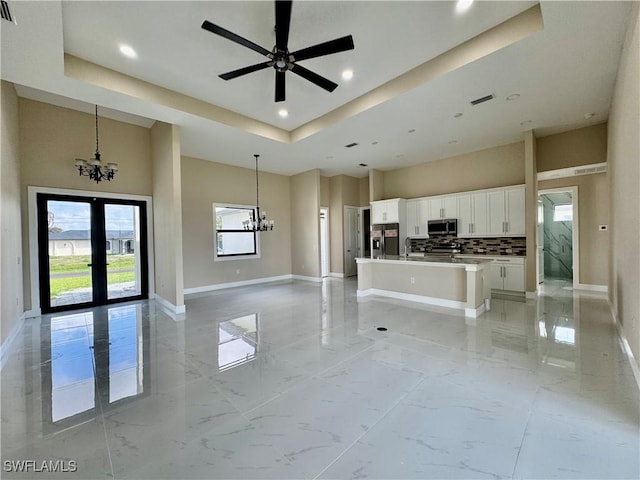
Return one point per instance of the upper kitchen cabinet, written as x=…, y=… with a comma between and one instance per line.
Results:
x=472, y=214
x=506, y=212
x=388, y=211
x=443, y=207
x=417, y=213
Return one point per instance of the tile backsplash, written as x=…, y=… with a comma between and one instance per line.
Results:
x=477, y=246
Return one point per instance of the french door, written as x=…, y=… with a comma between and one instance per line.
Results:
x=92, y=251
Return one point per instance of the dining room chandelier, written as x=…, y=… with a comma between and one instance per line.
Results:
x=94, y=168
x=258, y=221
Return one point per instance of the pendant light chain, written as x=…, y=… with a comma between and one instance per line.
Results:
x=97, y=149
x=258, y=221
x=257, y=189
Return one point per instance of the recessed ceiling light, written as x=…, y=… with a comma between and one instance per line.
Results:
x=374, y=143
x=513, y=96
x=463, y=5
x=284, y=113
x=457, y=115
x=128, y=52
x=589, y=115
x=451, y=142
x=412, y=130
x=526, y=122
x=347, y=74
x=400, y=155
x=329, y=157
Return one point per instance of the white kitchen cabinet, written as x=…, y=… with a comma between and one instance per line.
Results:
x=507, y=274
x=443, y=207
x=388, y=211
x=506, y=212
x=417, y=213
x=472, y=214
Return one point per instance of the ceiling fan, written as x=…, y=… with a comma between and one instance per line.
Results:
x=279, y=57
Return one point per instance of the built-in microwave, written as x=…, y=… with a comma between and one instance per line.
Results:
x=446, y=226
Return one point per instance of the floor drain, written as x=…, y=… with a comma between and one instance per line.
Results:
x=382, y=329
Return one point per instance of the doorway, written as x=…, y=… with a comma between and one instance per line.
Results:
x=558, y=235
x=324, y=242
x=92, y=251
x=365, y=232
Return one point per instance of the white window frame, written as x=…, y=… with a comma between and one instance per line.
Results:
x=217, y=258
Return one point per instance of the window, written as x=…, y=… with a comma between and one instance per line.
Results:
x=231, y=239
x=563, y=213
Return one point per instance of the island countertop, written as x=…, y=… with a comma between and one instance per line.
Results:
x=473, y=263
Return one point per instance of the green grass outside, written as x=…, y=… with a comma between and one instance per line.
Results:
x=60, y=285
x=78, y=263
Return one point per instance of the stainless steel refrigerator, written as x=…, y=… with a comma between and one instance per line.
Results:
x=384, y=239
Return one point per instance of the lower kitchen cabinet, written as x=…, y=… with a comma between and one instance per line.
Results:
x=507, y=274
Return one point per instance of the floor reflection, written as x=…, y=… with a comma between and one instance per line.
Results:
x=237, y=341
x=90, y=361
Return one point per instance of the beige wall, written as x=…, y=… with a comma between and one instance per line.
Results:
x=583, y=146
x=167, y=212
x=344, y=191
x=11, y=297
x=494, y=167
x=325, y=192
x=364, y=192
x=376, y=185
x=305, y=218
x=205, y=183
x=593, y=210
x=531, y=206
x=51, y=138
x=624, y=174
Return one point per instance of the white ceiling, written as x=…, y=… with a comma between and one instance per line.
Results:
x=561, y=73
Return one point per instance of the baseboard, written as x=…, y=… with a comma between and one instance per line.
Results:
x=242, y=283
x=5, y=348
x=635, y=368
x=475, y=312
x=438, y=302
x=168, y=306
x=307, y=279
x=33, y=313
x=531, y=295
x=592, y=288
x=336, y=274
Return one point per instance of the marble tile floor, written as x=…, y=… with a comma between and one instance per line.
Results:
x=294, y=381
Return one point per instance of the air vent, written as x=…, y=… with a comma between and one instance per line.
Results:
x=4, y=10
x=587, y=171
x=573, y=171
x=478, y=101
x=363, y=165
x=351, y=145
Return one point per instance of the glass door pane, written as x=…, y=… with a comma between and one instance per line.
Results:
x=123, y=252
x=70, y=254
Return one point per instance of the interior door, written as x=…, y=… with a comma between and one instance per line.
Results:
x=540, y=242
x=350, y=241
x=92, y=251
x=324, y=243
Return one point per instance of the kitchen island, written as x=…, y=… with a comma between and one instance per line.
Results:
x=445, y=282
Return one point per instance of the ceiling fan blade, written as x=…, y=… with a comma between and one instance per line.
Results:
x=213, y=28
x=325, y=48
x=244, y=71
x=314, y=78
x=280, y=95
x=283, y=21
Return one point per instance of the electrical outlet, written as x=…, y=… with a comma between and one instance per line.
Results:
x=602, y=228
x=480, y=250
x=413, y=280
x=508, y=250
x=237, y=271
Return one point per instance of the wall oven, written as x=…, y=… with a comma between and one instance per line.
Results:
x=446, y=226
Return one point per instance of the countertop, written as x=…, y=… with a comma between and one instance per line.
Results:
x=439, y=261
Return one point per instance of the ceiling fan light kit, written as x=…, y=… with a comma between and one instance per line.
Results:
x=280, y=59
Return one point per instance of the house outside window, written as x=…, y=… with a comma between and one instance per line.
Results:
x=232, y=241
